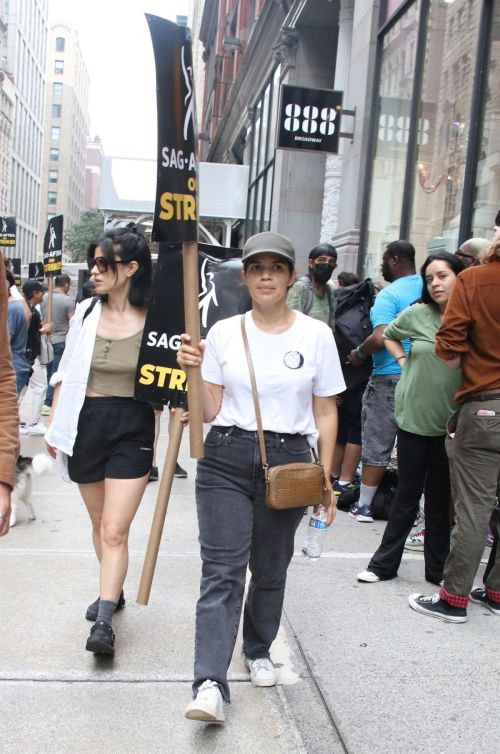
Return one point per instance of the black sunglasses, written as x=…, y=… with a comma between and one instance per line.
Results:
x=101, y=263
x=464, y=255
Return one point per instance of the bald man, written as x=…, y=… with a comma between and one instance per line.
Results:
x=470, y=250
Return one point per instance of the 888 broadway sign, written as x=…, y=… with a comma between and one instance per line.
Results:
x=176, y=188
x=309, y=119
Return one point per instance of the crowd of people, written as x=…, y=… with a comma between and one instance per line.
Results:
x=419, y=371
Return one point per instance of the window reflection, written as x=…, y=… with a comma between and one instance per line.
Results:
x=395, y=93
x=487, y=201
x=448, y=80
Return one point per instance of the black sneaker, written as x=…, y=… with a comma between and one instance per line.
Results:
x=153, y=474
x=479, y=595
x=101, y=640
x=436, y=607
x=348, y=498
x=179, y=472
x=93, y=609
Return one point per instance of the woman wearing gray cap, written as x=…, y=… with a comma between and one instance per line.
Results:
x=298, y=374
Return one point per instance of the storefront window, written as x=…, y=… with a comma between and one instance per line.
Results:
x=394, y=106
x=487, y=201
x=262, y=161
x=445, y=105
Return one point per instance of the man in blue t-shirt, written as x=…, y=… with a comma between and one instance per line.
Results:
x=378, y=432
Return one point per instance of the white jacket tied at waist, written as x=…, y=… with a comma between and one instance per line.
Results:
x=73, y=374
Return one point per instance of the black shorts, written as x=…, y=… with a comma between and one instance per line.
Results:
x=350, y=416
x=114, y=440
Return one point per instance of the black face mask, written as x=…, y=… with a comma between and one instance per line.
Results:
x=322, y=273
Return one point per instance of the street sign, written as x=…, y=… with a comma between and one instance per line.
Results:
x=309, y=119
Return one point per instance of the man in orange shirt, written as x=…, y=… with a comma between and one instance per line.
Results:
x=469, y=338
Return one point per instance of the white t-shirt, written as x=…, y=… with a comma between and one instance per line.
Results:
x=289, y=369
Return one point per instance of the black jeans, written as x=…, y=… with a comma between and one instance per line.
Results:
x=236, y=530
x=422, y=466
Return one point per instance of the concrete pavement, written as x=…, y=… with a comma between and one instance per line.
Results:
x=360, y=671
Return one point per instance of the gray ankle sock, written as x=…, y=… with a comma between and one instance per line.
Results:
x=106, y=610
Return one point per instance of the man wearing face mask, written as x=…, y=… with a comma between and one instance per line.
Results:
x=310, y=294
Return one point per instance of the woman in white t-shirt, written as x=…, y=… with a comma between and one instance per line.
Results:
x=298, y=375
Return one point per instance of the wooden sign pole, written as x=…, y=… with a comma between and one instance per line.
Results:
x=50, y=295
x=148, y=569
x=192, y=325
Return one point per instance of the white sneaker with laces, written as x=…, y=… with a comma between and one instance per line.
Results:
x=368, y=577
x=208, y=707
x=37, y=429
x=262, y=671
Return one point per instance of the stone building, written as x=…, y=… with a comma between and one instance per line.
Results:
x=422, y=160
x=25, y=23
x=66, y=126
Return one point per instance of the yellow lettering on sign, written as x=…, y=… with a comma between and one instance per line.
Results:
x=152, y=374
x=180, y=206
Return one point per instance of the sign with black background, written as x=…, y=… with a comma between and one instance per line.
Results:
x=35, y=271
x=7, y=231
x=16, y=270
x=52, y=247
x=309, y=119
x=176, y=212
x=159, y=379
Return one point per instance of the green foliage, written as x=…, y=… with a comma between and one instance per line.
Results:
x=78, y=238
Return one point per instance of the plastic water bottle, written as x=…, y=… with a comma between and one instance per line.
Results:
x=315, y=536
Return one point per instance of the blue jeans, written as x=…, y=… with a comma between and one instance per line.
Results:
x=52, y=369
x=237, y=529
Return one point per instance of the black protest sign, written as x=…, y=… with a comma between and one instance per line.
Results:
x=309, y=119
x=35, y=270
x=7, y=231
x=222, y=294
x=52, y=247
x=175, y=217
x=16, y=270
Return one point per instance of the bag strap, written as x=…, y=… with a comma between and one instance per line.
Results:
x=258, y=416
x=255, y=394
x=88, y=310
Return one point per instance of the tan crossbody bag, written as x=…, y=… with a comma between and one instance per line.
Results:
x=290, y=485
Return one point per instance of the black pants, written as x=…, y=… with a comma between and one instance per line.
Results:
x=422, y=466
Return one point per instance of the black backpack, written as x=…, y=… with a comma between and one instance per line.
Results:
x=34, y=339
x=352, y=326
x=385, y=495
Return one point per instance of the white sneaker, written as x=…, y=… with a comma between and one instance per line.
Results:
x=46, y=410
x=262, y=671
x=37, y=429
x=23, y=430
x=368, y=577
x=208, y=707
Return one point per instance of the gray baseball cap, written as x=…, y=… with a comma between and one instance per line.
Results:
x=270, y=243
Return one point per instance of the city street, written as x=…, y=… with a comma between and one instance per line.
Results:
x=360, y=671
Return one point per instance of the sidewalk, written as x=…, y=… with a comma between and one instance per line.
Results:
x=360, y=671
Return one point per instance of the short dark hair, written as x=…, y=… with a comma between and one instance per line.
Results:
x=131, y=245
x=454, y=263
x=347, y=278
x=61, y=280
x=404, y=250
x=30, y=287
x=323, y=250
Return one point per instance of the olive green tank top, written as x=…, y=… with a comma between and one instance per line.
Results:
x=113, y=366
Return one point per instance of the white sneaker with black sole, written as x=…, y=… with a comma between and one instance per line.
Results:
x=208, y=707
x=262, y=671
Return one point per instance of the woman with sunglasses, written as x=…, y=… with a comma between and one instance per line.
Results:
x=103, y=436
x=424, y=401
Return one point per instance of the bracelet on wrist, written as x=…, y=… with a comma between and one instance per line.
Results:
x=359, y=353
x=401, y=357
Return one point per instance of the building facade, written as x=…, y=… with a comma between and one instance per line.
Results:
x=7, y=108
x=24, y=52
x=66, y=124
x=93, y=167
x=420, y=157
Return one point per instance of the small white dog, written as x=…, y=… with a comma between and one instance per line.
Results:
x=25, y=468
